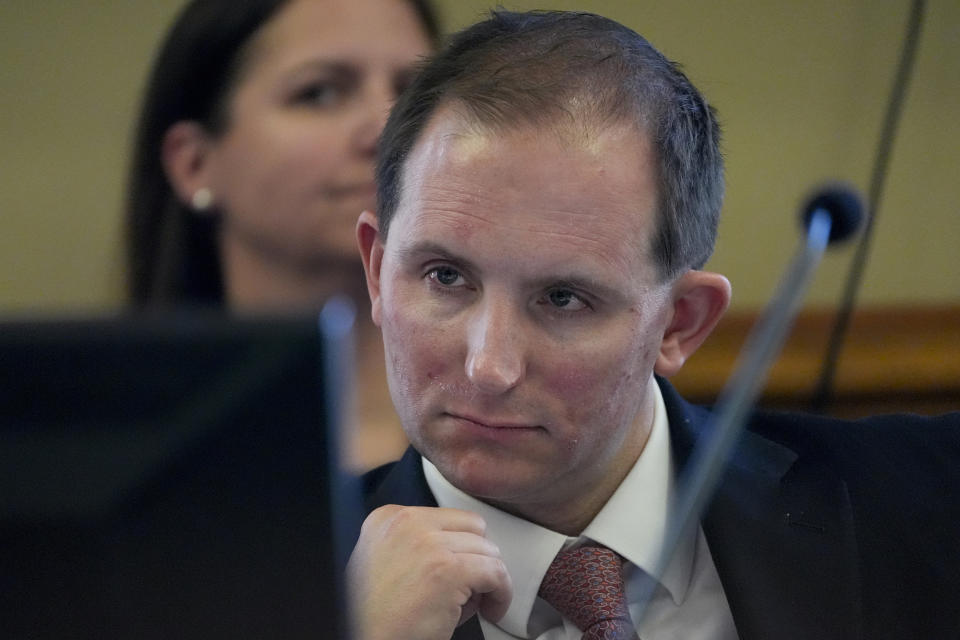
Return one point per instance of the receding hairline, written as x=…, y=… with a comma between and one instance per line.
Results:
x=462, y=123
x=573, y=120
x=576, y=73
x=450, y=123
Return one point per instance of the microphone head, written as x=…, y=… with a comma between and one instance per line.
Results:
x=842, y=204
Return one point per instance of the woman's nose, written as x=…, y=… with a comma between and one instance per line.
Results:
x=372, y=116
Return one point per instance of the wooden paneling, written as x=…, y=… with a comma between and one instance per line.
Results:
x=894, y=359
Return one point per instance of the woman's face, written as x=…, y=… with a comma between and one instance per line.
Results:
x=294, y=167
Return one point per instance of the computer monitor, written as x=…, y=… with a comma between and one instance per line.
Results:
x=174, y=476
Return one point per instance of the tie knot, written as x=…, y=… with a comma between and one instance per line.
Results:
x=585, y=585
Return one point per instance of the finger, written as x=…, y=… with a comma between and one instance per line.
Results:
x=496, y=599
x=458, y=520
x=462, y=542
x=400, y=517
x=470, y=608
x=494, y=604
x=487, y=576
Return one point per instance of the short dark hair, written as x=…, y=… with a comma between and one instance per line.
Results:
x=544, y=68
x=172, y=255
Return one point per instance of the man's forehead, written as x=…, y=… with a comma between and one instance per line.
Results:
x=448, y=138
x=570, y=190
x=452, y=140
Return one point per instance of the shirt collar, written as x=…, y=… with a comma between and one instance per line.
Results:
x=632, y=523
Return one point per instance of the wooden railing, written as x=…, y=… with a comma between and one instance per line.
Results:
x=894, y=359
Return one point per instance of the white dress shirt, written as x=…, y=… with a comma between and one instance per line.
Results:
x=689, y=602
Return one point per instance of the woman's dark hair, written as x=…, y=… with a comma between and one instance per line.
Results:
x=172, y=255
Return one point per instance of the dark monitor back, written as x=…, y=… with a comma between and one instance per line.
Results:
x=171, y=476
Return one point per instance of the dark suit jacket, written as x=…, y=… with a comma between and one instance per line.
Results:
x=820, y=528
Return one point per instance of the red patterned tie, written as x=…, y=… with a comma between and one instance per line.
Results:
x=585, y=585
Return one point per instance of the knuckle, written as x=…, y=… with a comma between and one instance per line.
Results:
x=401, y=518
x=380, y=514
x=439, y=563
x=376, y=518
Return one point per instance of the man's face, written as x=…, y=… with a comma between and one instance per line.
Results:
x=521, y=312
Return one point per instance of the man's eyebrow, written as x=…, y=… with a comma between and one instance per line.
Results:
x=420, y=250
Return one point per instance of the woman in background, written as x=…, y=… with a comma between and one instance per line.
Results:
x=254, y=156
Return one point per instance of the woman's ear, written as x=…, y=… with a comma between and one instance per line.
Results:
x=371, y=253
x=185, y=153
x=699, y=299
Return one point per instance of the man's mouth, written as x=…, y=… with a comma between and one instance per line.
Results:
x=491, y=422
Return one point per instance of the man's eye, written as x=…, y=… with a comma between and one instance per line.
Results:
x=446, y=276
x=566, y=300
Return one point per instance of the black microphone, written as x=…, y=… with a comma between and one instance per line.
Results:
x=832, y=214
x=843, y=206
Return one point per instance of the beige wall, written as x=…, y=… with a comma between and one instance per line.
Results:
x=801, y=89
x=70, y=78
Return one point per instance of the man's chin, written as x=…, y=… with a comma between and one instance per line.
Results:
x=495, y=481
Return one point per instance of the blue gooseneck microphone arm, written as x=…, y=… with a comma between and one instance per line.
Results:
x=831, y=215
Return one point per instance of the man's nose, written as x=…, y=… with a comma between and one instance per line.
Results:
x=496, y=359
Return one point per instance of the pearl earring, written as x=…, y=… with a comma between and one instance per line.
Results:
x=202, y=199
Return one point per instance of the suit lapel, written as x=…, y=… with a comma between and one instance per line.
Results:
x=780, y=532
x=404, y=483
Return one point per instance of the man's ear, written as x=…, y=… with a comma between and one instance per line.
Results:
x=185, y=153
x=699, y=299
x=371, y=253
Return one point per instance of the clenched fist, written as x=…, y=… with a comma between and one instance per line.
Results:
x=419, y=572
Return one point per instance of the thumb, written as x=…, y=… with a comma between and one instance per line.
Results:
x=470, y=608
x=494, y=604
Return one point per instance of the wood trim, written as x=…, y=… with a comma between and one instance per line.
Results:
x=894, y=358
